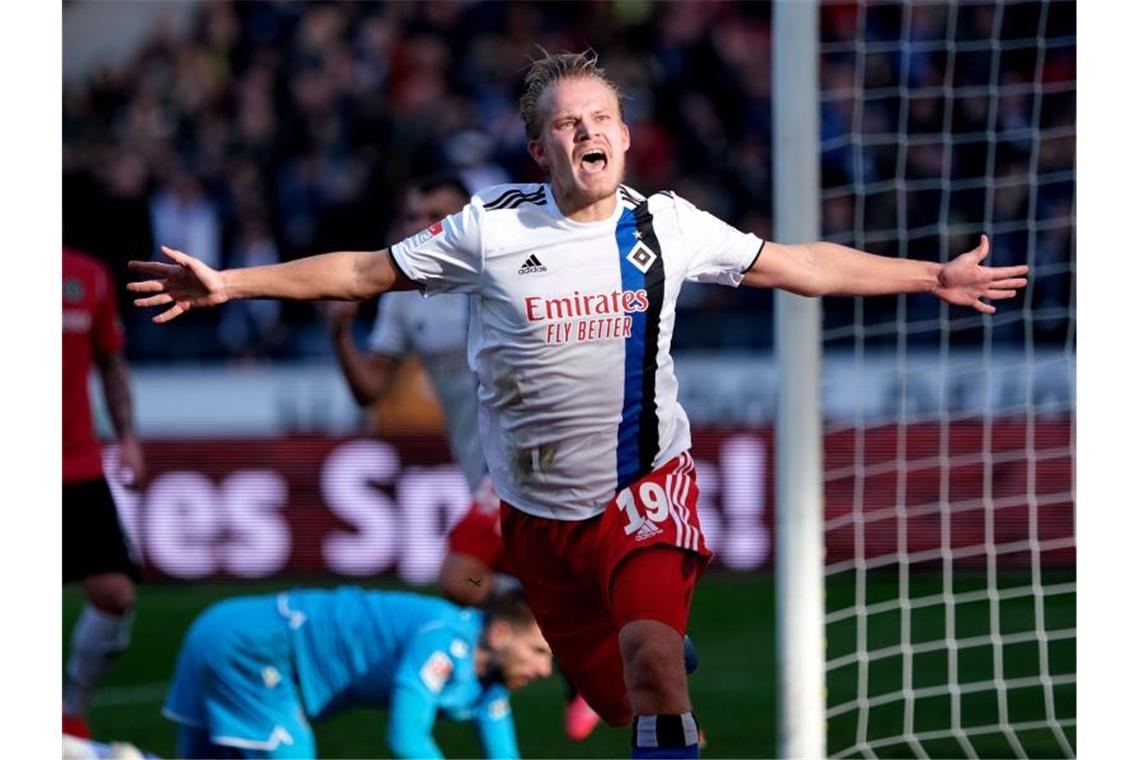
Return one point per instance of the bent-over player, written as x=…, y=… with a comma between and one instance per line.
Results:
x=253, y=672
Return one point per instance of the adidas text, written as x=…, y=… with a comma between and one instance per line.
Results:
x=648, y=530
x=532, y=266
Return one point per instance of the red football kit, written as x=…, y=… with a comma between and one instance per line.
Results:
x=91, y=326
x=651, y=531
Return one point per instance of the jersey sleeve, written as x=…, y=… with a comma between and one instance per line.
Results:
x=447, y=257
x=423, y=671
x=410, y=719
x=389, y=331
x=719, y=253
x=496, y=725
x=107, y=329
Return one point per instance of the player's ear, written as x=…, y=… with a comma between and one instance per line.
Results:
x=625, y=142
x=537, y=151
x=499, y=633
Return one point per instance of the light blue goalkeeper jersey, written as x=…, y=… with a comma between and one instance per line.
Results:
x=247, y=662
x=414, y=653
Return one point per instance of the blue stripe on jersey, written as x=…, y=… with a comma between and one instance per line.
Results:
x=629, y=431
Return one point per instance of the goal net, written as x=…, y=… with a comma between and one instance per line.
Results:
x=948, y=469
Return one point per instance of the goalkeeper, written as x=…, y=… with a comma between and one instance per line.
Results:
x=253, y=671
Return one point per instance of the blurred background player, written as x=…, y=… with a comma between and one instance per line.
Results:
x=253, y=671
x=436, y=331
x=96, y=551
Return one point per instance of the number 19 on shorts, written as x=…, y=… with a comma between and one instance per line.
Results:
x=665, y=497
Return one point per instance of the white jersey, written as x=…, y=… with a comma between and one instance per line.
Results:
x=571, y=333
x=436, y=330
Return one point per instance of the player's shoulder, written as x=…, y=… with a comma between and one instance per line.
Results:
x=82, y=264
x=84, y=276
x=631, y=198
x=510, y=196
x=451, y=634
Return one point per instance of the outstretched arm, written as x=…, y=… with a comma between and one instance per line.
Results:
x=187, y=283
x=819, y=269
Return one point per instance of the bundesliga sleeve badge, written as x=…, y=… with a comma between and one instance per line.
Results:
x=421, y=237
x=436, y=671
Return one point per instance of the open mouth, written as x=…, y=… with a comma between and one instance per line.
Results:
x=594, y=161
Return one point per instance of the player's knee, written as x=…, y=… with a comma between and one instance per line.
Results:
x=113, y=593
x=652, y=655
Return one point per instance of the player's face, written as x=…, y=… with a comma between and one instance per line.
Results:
x=421, y=210
x=523, y=656
x=583, y=140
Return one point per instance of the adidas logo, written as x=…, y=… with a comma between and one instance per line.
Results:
x=648, y=530
x=532, y=265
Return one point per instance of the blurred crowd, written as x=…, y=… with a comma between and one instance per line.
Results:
x=280, y=129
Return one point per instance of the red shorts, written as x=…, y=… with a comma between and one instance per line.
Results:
x=477, y=534
x=585, y=580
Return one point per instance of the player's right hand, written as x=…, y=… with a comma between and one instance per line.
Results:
x=187, y=284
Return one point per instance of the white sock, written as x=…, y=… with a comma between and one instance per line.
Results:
x=97, y=639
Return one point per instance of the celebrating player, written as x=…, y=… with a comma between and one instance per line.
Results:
x=576, y=283
x=96, y=551
x=436, y=330
x=253, y=671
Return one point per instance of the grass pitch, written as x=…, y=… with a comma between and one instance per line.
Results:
x=734, y=690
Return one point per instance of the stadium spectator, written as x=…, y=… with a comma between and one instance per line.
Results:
x=96, y=551
x=252, y=328
x=576, y=283
x=254, y=671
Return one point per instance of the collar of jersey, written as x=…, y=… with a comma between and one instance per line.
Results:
x=559, y=216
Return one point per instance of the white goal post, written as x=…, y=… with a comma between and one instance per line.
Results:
x=799, y=485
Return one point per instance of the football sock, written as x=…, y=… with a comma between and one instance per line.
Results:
x=666, y=736
x=97, y=639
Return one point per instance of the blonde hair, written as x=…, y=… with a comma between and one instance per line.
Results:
x=552, y=68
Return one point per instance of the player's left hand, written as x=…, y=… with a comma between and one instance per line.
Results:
x=964, y=281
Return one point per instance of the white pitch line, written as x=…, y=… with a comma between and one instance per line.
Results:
x=137, y=694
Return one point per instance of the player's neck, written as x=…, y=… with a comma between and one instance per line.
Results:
x=579, y=209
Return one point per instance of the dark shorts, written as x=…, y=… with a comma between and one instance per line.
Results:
x=93, y=538
x=638, y=560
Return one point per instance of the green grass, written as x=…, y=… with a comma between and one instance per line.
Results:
x=734, y=691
